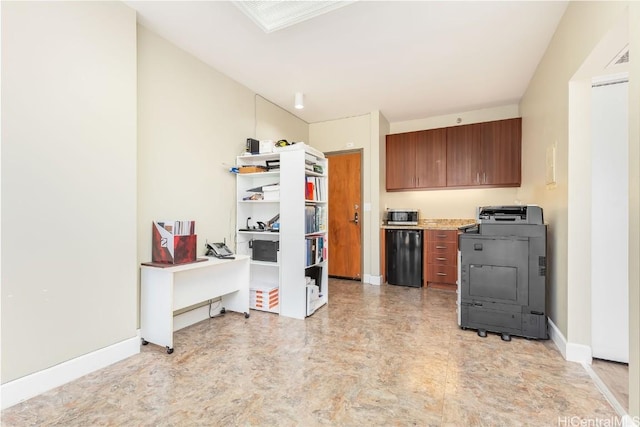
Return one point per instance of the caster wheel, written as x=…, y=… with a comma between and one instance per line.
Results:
x=246, y=315
x=143, y=341
x=223, y=311
x=505, y=337
x=482, y=333
x=169, y=350
x=464, y=328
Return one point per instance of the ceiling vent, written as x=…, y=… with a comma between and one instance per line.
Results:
x=275, y=15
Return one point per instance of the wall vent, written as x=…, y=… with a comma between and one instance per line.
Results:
x=621, y=58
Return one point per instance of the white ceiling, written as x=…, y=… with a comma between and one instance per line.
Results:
x=409, y=60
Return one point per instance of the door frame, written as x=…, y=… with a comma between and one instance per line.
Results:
x=360, y=151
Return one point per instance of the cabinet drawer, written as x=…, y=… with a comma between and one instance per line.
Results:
x=442, y=235
x=449, y=257
x=442, y=247
x=442, y=273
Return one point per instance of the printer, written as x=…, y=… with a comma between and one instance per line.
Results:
x=530, y=214
x=502, y=273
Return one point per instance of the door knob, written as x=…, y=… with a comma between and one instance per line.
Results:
x=355, y=218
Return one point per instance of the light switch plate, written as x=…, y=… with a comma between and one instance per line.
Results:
x=550, y=175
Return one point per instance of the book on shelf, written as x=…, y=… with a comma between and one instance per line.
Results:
x=315, y=219
x=314, y=188
x=316, y=250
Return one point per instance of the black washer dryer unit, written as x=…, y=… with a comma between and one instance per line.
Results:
x=503, y=271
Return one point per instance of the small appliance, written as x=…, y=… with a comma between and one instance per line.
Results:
x=402, y=216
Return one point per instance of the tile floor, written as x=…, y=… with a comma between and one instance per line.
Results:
x=375, y=356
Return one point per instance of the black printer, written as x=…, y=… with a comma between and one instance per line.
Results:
x=503, y=273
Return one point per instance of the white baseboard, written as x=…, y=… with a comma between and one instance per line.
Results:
x=579, y=353
x=372, y=280
x=24, y=388
x=572, y=352
x=626, y=419
x=558, y=339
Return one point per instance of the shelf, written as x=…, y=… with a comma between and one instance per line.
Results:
x=259, y=174
x=265, y=263
x=318, y=264
x=316, y=234
x=268, y=233
x=296, y=247
x=265, y=156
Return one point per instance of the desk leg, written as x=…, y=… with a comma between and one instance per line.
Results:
x=156, y=307
x=239, y=301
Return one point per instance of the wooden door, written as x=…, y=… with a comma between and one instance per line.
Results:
x=401, y=154
x=345, y=215
x=464, y=163
x=431, y=158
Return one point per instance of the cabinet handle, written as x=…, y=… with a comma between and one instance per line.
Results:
x=484, y=177
x=441, y=247
x=441, y=259
x=441, y=274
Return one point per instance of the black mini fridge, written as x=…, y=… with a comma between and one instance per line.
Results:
x=404, y=257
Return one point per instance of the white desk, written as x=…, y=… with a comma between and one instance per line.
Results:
x=165, y=290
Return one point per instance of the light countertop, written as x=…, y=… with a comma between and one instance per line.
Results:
x=434, y=224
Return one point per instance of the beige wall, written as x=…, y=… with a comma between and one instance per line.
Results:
x=547, y=122
x=69, y=270
x=275, y=123
x=544, y=110
x=193, y=121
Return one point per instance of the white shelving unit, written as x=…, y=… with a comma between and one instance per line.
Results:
x=289, y=273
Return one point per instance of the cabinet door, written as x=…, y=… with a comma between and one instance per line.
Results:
x=431, y=158
x=501, y=145
x=463, y=155
x=401, y=152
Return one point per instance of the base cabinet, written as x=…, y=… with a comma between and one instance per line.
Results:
x=441, y=258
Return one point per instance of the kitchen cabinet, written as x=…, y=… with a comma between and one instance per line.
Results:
x=475, y=155
x=484, y=154
x=416, y=160
x=441, y=258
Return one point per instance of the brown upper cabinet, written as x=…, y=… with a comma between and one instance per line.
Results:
x=417, y=160
x=484, y=154
x=476, y=155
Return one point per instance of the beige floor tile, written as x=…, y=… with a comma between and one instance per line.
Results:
x=376, y=355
